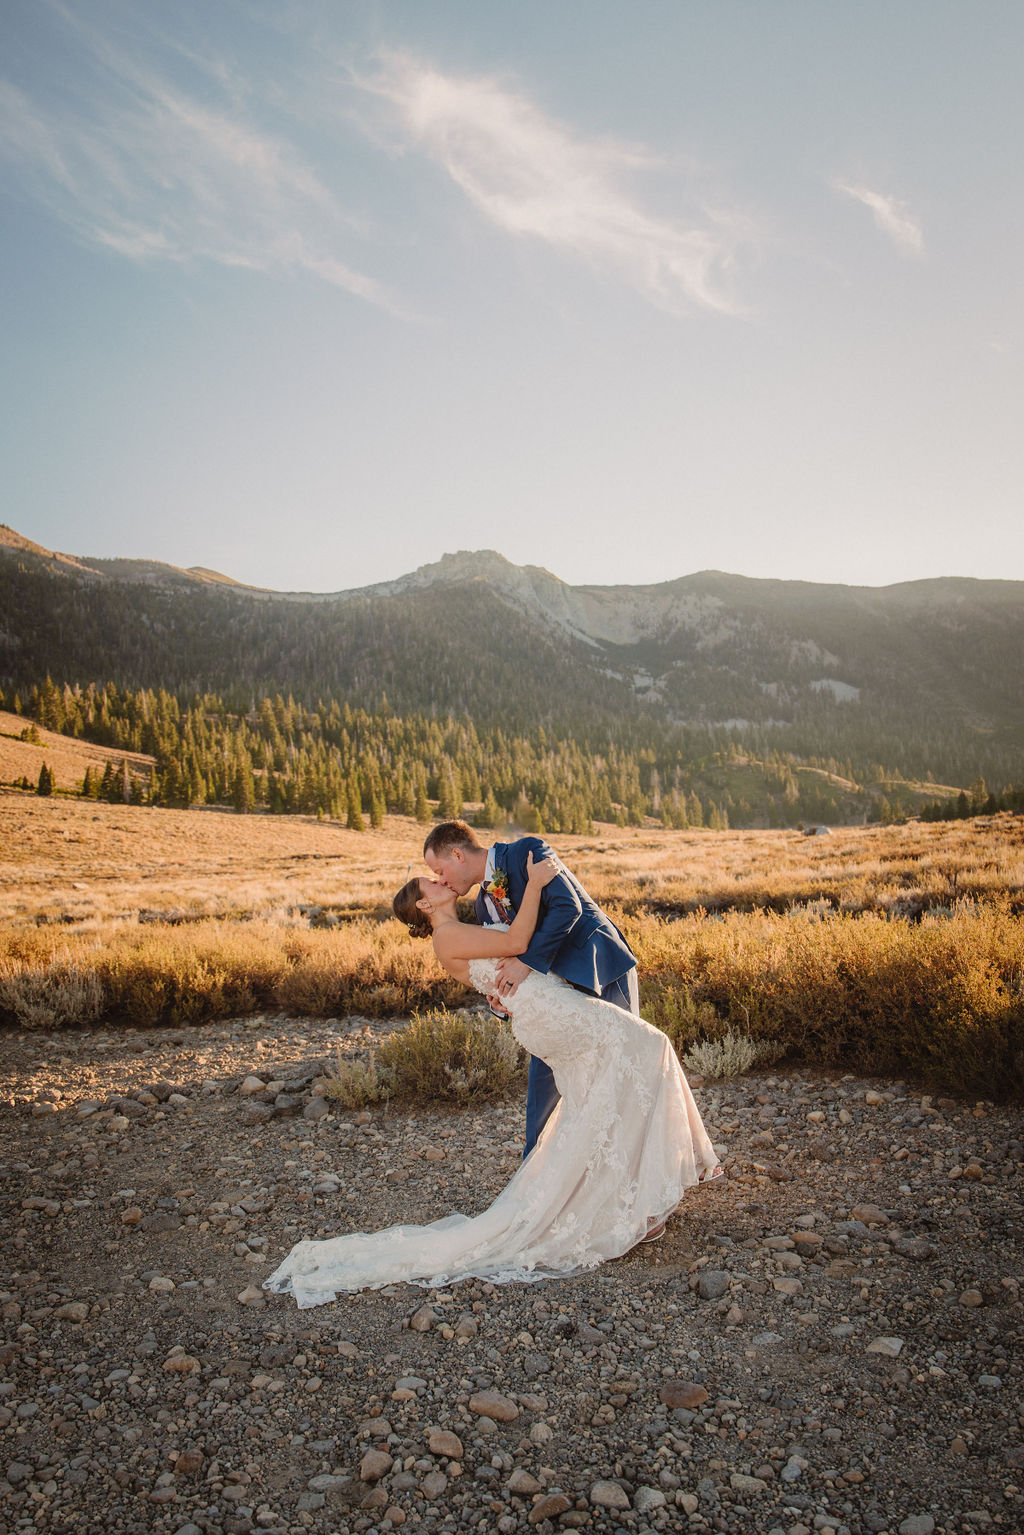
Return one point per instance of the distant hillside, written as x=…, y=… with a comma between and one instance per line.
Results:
x=922, y=677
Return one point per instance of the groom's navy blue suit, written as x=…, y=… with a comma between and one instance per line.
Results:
x=573, y=938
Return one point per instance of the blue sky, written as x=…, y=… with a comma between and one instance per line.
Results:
x=314, y=292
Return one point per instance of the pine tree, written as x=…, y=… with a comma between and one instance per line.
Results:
x=45, y=785
x=243, y=794
x=449, y=806
x=354, y=820
x=490, y=813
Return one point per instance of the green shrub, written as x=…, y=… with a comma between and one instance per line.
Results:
x=354, y=1084
x=458, y=1057
x=730, y=1056
x=59, y=995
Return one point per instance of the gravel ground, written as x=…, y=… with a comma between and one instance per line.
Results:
x=826, y=1340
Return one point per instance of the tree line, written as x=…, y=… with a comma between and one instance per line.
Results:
x=331, y=759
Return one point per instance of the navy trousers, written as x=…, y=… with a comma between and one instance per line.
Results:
x=541, y=1092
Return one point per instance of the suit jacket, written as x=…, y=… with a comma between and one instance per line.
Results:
x=573, y=937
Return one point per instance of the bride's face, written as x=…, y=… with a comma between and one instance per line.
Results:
x=435, y=894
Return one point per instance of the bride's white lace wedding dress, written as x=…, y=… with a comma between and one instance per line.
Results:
x=621, y=1147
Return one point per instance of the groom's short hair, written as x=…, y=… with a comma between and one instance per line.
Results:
x=448, y=834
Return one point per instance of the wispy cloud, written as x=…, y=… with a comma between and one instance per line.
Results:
x=137, y=165
x=535, y=177
x=891, y=216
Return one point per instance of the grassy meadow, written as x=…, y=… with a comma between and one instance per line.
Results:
x=897, y=950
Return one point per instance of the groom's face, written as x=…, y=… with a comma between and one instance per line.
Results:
x=450, y=868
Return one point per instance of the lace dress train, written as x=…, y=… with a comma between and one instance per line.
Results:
x=617, y=1154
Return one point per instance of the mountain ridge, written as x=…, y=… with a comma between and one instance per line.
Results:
x=923, y=675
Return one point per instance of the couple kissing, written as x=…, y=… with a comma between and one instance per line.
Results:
x=614, y=1136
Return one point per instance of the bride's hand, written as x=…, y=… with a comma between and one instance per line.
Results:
x=542, y=872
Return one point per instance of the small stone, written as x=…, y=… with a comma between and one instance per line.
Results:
x=181, y=1364
x=871, y=1215
x=467, y=1327
x=522, y=1483
x=917, y=1249
x=742, y=1483
x=917, y=1524
x=972, y=1298
x=132, y=1216
x=249, y=1086
x=712, y=1285
x=993, y=1382
x=609, y=1495
x=376, y=1428
x=682, y=1393
x=423, y=1319
x=874, y=1098
x=433, y=1484
x=434, y=1154
x=553, y=1505
x=491, y=1404
x=252, y=1296
x=189, y=1462
x=161, y=1284
x=889, y=1348
x=73, y=1311
x=647, y=1499
x=441, y=1441
x=786, y=1285
x=374, y=1465
x=316, y=1108
x=687, y=1501
x=18, y=1472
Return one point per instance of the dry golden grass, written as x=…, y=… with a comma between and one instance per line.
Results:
x=66, y=757
x=897, y=869
x=817, y=943
x=80, y=859
x=75, y=860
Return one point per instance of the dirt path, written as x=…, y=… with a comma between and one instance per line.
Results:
x=828, y=1341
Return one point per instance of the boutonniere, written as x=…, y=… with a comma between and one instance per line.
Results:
x=497, y=887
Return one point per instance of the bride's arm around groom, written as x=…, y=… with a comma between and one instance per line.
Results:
x=573, y=938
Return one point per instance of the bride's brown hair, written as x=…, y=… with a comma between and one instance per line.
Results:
x=405, y=909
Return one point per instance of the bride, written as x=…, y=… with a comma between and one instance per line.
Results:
x=612, y=1163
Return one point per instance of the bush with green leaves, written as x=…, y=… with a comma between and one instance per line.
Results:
x=452, y=1057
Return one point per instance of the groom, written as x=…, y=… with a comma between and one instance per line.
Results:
x=573, y=938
